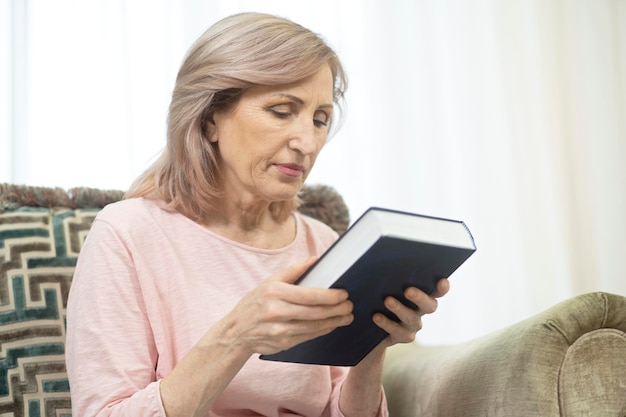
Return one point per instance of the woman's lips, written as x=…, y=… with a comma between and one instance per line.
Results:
x=292, y=170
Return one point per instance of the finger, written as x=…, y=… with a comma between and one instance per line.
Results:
x=314, y=328
x=398, y=332
x=303, y=295
x=426, y=304
x=284, y=310
x=293, y=272
x=443, y=286
x=286, y=335
x=409, y=317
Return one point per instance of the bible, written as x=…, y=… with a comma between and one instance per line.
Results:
x=383, y=253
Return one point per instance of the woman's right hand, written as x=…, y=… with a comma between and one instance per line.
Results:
x=274, y=316
x=277, y=315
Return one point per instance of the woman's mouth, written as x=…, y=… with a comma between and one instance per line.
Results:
x=291, y=170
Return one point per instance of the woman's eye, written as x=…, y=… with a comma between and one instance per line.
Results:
x=321, y=119
x=280, y=112
x=320, y=123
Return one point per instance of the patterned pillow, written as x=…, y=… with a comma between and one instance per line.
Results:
x=38, y=250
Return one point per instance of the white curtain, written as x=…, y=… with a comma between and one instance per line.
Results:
x=509, y=115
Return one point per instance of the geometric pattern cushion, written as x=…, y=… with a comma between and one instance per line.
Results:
x=38, y=250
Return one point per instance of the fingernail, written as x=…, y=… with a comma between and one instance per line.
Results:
x=411, y=292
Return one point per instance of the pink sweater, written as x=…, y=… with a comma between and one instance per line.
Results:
x=148, y=285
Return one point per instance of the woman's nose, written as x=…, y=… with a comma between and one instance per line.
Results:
x=306, y=137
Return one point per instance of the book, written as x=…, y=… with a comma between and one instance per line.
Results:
x=384, y=252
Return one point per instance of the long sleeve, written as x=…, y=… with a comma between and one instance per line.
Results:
x=110, y=347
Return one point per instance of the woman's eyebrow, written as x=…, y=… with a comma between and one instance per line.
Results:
x=301, y=102
x=291, y=97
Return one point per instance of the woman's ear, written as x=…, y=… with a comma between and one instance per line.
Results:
x=210, y=129
x=212, y=135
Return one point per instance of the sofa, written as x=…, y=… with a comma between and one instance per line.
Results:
x=567, y=361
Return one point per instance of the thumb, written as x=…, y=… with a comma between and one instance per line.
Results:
x=293, y=272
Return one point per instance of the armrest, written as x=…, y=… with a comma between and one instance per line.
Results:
x=569, y=360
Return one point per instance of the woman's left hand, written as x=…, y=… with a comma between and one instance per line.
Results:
x=410, y=320
x=362, y=390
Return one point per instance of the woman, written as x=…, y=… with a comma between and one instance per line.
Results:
x=182, y=285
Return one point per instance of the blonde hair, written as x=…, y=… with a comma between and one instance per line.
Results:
x=234, y=54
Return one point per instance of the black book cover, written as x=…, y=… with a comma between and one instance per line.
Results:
x=386, y=269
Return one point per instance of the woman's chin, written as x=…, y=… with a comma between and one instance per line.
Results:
x=284, y=192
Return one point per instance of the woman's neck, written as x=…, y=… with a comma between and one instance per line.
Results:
x=256, y=226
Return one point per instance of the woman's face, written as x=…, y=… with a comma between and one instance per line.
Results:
x=269, y=141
